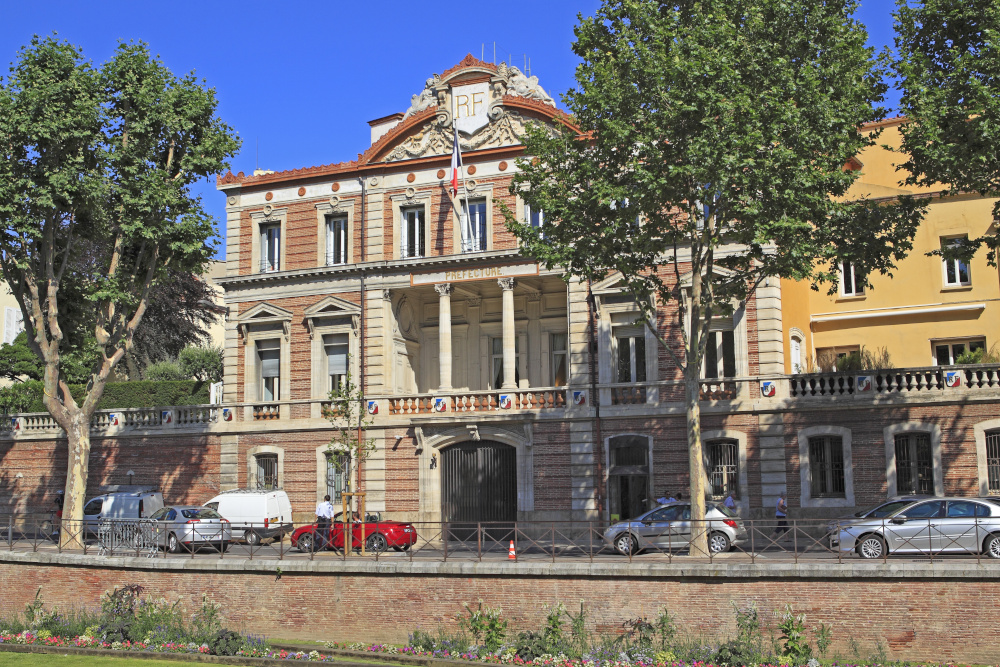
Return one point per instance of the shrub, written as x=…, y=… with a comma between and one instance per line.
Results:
x=226, y=642
x=140, y=394
x=165, y=371
x=201, y=363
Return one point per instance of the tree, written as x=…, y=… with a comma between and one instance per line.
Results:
x=96, y=169
x=709, y=154
x=201, y=363
x=350, y=418
x=949, y=70
x=18, y=362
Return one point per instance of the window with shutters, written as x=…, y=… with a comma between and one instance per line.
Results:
x=826, y=466
x=13, y=324
x=336, y=347
x=270, y=248
x=630, y=354
x=412, y=233
x=557, y=348
x=720, y=354
x=475, y=231
x=269, y=363
x=723, y=468
x=336, y=240
x=914, y=465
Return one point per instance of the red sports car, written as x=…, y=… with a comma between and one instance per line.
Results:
x=379, y=535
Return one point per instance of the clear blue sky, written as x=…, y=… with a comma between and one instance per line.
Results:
x=301, y=80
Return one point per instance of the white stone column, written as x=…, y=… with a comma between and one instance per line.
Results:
x=509, y=336
x=444, y=335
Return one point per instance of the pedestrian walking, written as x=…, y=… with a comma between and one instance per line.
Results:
x=324, y=512
x=781, y=514
x=729, y=502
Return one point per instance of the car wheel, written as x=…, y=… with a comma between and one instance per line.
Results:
x=252, y=537
x=871, y=546
x=376, y=543
x=626, y=544
x=991, y=546
x=173, y=544
x=718, y=543
x=305, y=543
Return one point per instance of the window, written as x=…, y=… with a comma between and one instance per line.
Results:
x=557, y=345
x=336, y=240
x=850, y=283
x=724, y=468
x=720, y=355
x=94, y=507
x=269, y=358
x=826, y=466
x=534, y=218
x=474, y=227
x=496, y=361
x=993, y=461
x=267, y=471
x=956, y=272
x=795, y=348
x=628, y=476
x=336, y=347
x=947, y=353
x=13, y=324
x=270, y=248
x=630, y=350
x=913, y=464
x=932, y=510
x=338, y=467
x=412, y=242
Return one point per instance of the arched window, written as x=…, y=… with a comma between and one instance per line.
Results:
x=723, y=468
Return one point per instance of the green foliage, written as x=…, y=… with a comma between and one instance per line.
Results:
x=18, y=362
x=486, y=625
x=979, y=356
x=796, y=646
x=824, y=637
x=141, y=394
x=747, y=648
x=350, y=419
x=226, y=642
x=201, y=363
x=165, y=371
x=666, y=628
x=18, y=397
x=862, y=360
x=949, y=71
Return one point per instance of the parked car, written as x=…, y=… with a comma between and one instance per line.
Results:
x=191, y=526
x=124, y=502
x=379, y=534
x=877, y=512
x=255, y=515
x=669, y=527
x=938, y=525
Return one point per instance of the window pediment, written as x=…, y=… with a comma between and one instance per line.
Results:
x=263, y=314
x=332, y=307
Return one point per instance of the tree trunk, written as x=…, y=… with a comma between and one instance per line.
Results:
x=696, y=463
x=71, y=533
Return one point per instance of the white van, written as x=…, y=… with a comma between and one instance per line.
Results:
x=122, y=502
x=259, y=514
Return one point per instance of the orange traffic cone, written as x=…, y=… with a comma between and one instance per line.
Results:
x=512, y=554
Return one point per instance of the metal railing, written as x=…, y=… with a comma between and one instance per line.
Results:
x=750, y=541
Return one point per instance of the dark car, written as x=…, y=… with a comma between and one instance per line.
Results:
x=378, y=534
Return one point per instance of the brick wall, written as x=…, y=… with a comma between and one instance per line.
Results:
x=918, y=619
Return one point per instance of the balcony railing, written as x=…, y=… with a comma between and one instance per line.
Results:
x=479, y=401
x=895, y=381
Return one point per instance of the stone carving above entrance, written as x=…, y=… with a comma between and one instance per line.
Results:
x=433, y=139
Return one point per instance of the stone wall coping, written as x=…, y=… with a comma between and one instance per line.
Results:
x=850, y=568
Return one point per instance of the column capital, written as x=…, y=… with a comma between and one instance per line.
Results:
x=474, y=302
x=506, y=283
x=387, y=294
x=444, y=289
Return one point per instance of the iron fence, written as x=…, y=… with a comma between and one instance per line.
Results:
x=750, y=541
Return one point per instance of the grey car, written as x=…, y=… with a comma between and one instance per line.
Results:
x=937, y=525
x=189, y=526
x=668, y=527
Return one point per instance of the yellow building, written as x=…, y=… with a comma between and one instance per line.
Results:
x=928, y=313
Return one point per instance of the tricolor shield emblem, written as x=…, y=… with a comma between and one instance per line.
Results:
x=579, y=398
x=953, y=379
x=863, y=383
x=768, y=388
x=373, y=407
x=440, y=404
x=505, y=401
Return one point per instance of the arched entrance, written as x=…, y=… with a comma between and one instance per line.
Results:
x=478, y=485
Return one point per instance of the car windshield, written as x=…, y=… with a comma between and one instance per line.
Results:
x=886, y=509
x=202, y=513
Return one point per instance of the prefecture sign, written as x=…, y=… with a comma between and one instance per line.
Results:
x=469, y=105
x=479, y=273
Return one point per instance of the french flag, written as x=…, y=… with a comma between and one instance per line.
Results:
x=456, y=164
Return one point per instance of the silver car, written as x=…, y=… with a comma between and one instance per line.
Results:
x=937, y=525
x=669, y=527
x=190, y=526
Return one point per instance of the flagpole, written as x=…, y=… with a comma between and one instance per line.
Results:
x=467, y=227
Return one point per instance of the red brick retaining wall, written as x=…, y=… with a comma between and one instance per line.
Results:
x=918, y=619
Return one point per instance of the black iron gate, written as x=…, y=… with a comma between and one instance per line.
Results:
x=479, y=485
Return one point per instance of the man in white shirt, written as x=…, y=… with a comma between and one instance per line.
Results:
x=324, y=512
